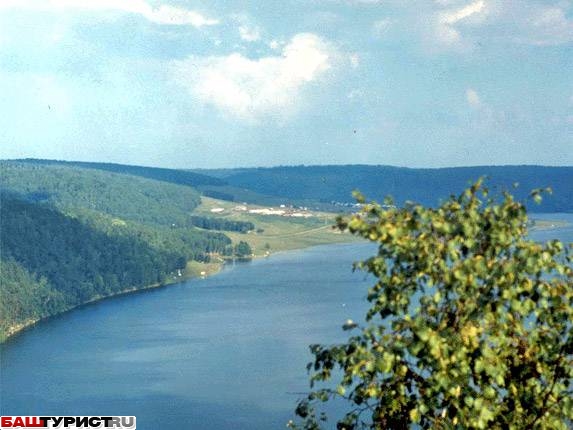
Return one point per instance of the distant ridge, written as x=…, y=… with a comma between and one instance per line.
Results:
x=423, y=185
x=174, y=176
x=326, y=186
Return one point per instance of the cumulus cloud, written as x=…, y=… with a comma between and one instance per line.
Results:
x=162, y=14
x=251, y=88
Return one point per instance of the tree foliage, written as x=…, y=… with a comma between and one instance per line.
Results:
x=209, y=223
x=470, y=323
x=243, y=250
x=23, y=297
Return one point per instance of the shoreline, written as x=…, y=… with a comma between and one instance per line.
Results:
x=18, y=329
x=23, y=326
x=217, y=267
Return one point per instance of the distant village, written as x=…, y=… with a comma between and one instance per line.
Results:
x=283, y=210
x=289, y=210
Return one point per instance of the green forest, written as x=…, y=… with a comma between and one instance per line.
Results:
x=71, y=235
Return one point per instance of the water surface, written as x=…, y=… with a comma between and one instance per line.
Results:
x=227, y=352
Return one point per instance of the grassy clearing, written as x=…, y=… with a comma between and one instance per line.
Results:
x=278, y=233
x=195, y=269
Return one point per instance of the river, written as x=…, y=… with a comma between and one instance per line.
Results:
x=226, y=352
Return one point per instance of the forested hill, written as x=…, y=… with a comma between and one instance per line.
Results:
x=426, y=186
x=69, y=235
x=128, y=197
x=174, y=176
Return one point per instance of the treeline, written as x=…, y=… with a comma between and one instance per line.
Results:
x=208, y=223
x=174, y=176
x=219, y=195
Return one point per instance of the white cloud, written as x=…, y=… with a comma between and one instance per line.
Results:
x=249, y=34
x=275, y=44
x=452, y=16
x=446, y=23
x=548, y=26
x=249, y=89
x=248, y=31
x=162, y=14
x=461, y=25
x=473, y=98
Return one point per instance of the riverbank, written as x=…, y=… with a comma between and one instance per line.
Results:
x=16, y=329
x=197, y=270
x=279, y=238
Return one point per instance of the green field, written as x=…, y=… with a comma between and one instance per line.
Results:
x=278, y=233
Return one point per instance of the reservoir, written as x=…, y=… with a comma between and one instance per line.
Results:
x=226, y=352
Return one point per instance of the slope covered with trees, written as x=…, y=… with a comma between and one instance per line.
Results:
x=180, y=177
x=127, y=197
x=25, y=297
x=70, y=235
x=425, y=186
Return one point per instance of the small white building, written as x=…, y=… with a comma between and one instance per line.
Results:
x=267, y=211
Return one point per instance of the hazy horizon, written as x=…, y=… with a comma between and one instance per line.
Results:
x=287, y=165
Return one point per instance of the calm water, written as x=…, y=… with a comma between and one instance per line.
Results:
x=227, y=352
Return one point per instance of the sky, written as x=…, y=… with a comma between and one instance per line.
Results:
x=212, y=83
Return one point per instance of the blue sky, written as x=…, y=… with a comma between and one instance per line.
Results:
x=186, y=84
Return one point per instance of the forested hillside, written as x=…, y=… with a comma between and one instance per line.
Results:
x=426, y=186
x=180, y=177
x=70, y=235
x=127, y=197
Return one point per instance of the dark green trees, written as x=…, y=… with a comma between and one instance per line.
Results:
x=222, y=224
x=243, y=250
x=470, y=324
